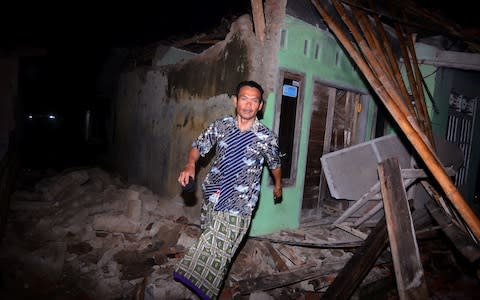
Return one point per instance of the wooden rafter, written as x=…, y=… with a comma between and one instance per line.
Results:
x=258, y=19
x=392, y=99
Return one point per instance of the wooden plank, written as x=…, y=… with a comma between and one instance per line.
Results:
x=312, y=180
x=374, y=190
x=314, y=174
x=315, y=244
x=279, y=263
x=332, y=93
x=374, y=194
x=258, y=19
x=420, y=102
x=353, y=231
x=420, y=173
x=311, y=194
x=315, y=147
x=288, y=252
x=440, y=201
x=350, y=277
x=464, y=244
x=377, y=207
x=406, y=258
x=282, y=279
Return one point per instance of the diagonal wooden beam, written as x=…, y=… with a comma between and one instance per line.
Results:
x=371, y=62
x=415, y=136
x=393, y=59
x=258, y=19
x=362, y=261
x=419, y=83
x=411, y=78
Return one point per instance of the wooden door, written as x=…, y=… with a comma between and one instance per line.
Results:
x=333, y=126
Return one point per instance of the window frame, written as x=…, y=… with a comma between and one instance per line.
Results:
x=300, y=77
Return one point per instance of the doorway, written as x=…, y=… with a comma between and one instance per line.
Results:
x=333, y=126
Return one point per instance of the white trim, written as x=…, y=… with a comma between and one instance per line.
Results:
x=430, y=55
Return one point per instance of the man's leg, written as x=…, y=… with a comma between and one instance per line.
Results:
x=204, y=265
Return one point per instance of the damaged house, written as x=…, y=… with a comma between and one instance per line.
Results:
x=370, y=110
x=317, y=100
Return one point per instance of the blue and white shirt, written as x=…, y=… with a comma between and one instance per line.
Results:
x=233, y=183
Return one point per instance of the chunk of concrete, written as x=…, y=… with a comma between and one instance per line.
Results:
x=115, y=223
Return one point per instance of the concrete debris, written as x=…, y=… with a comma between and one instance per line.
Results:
x=115, y=223
x=110, y=240
x=260, y=296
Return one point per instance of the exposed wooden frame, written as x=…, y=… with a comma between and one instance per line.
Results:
x=285, y=73
x=258, y=19
x=407, y=123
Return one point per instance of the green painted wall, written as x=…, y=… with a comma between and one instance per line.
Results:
x=317, y=63
x=443, y=85
x=271, y=217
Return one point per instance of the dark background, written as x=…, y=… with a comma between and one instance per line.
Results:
x=62, y=50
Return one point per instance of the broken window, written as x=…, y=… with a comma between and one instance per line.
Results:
x=288, y=121
x=333, y=126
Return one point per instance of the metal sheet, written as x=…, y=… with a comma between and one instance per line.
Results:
x=352, y=171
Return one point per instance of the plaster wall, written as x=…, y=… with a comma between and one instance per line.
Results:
x=160, y=110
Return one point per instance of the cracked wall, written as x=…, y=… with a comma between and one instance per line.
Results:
x=159, y=111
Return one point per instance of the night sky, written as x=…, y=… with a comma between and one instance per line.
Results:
x=78, y=38
x=117, y=24
x=463, y=12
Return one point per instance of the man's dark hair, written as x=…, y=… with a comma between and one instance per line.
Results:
x=251, y=84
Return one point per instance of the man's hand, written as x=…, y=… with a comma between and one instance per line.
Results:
x=277, y=194
x=277, y=190
x=188, y=171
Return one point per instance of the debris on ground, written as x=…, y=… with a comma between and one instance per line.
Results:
x=85, y=234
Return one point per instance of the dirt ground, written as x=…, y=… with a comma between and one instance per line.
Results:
x=59, y=245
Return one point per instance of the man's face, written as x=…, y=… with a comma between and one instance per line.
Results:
x=248, y=102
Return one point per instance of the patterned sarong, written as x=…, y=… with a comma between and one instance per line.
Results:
x=204, y=265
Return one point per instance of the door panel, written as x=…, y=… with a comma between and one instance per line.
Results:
x=315, y=147
x=333, y=126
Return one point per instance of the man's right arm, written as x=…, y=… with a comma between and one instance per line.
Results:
x=189, y=169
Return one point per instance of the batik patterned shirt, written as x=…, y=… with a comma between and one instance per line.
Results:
x=233, y=183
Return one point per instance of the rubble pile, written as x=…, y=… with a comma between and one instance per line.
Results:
x=85, y=224
x=110, y=240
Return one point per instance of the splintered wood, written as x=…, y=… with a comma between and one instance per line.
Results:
x=406, y=257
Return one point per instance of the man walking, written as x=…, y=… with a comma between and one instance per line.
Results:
x=231, y=189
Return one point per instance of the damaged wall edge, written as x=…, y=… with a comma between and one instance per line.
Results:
x=161, y=109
